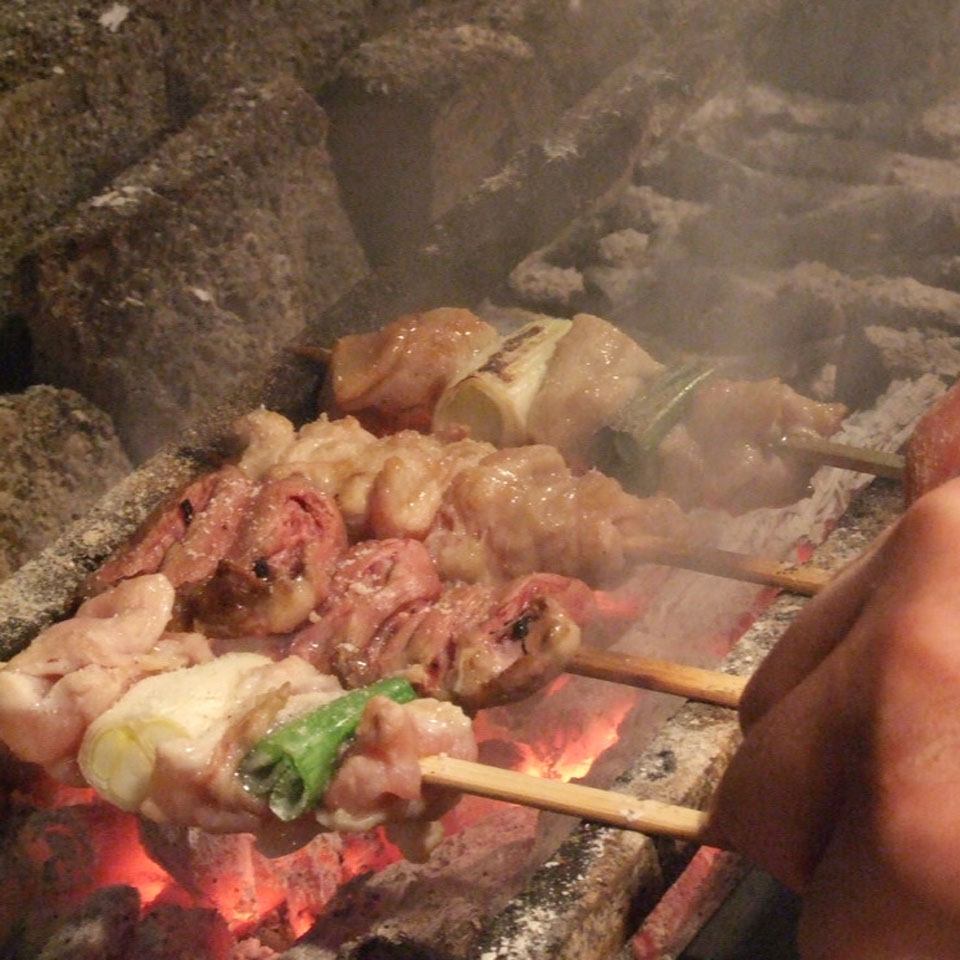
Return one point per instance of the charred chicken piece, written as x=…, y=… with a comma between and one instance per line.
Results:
x=475, y=645
x=187, y=536
x=374, y=580
x=278, y=568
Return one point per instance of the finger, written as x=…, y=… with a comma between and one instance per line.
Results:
x=777, y=800
x=817, y=629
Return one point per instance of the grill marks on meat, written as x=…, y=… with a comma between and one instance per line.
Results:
x=75, y=670
x=933, y=452
x=720, y=455
x=392, y=378
x=187, y=536
x=279, y=566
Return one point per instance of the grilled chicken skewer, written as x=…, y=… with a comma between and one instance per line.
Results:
x=486, y=514
x=684, y=431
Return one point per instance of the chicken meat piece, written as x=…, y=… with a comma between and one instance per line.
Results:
x=485, y=515
x=75, y=670
x=189, y=731
x=171, y=747
x=477, y=645
x=523, y=509
x=594, y=371
x=279, y=566
x=388, y=487
x=933, y=451
x=187, y=537
x=375, y=580
x=721, y=455
x=391, y=379
x=379, y=780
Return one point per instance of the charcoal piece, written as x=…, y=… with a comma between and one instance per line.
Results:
x=577, y=43
x=422, y=116
x=874, y=354
x=60, y=453
x=859, y=48
x=694, y=172
x=101, y=929
x=170, y=932
x=233, y=228
x=697, y=306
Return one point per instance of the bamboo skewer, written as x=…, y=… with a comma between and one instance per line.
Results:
x=320, y=355
x=694, y=683
x=806, y=581
x=877, y=462
x=588, y=803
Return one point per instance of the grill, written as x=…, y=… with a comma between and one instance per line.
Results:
x=808, y=229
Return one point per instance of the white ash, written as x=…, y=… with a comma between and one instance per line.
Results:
x=537, y=281
x=113, y=17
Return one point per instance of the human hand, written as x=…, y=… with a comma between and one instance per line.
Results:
x=847, y=786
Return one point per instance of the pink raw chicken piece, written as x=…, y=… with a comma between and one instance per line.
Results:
x=75, y=670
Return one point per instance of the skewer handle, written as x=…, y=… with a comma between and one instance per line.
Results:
x=806, y=581
x=589, y=803
x=818, y=450
x=704, y=686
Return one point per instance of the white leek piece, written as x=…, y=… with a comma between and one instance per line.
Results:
x=493, y=402
x=119, y=750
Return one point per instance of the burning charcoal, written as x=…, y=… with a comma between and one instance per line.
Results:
x=100, y=930
x=60, y=454
x=241, y=882
x=181, y=933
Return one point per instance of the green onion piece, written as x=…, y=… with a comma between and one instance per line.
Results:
x=294, y=765
x=627, y=448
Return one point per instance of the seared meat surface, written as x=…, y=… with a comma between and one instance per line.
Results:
x=187, y=536
x=391, y=378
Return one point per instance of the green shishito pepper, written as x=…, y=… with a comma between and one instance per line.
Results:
x=627, y=448
x=294, y=765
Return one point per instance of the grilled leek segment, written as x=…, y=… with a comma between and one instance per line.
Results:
x=628, y=449
x=493, y=402
x=119, y=751
x=293, y=766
